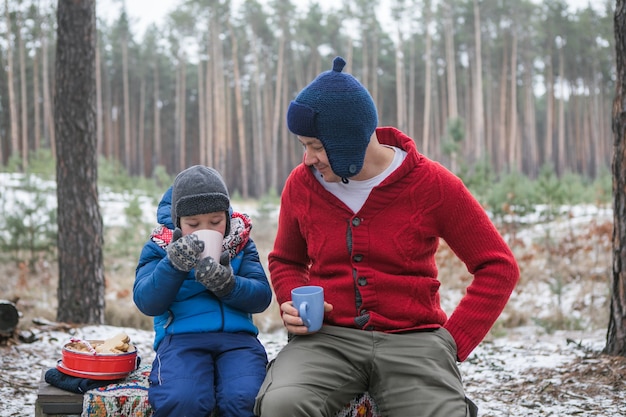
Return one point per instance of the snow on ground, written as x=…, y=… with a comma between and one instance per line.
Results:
x=536, y=374
x=22, y=363
x=517, y=371
x=527, y=373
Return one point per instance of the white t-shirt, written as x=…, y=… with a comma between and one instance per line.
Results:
x=355, y=193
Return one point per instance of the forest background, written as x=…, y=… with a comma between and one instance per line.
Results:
x=487, y=87
x=559, y=226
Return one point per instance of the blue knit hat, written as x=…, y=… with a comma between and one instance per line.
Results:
x=336, y=109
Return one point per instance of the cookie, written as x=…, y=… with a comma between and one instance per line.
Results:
x=116, y=344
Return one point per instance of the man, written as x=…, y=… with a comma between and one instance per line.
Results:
x=362, y=217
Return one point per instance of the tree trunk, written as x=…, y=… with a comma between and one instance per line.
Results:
x=453, y=107
x=115, y=124
x=489, y=100
x=549, y=140
x=81, y=275
x=411, y=95
x=128, y=153
x=578, y=155
x=9, y=317
x=512, y=136
x=107, y=118
x=240, y=118
x=177, y=140
x=36, y=105
x=560, y=166
x=202, y=150
x=258, y=133
x=478, y=110
x=365, y=48
x=440, y=116
x=595, y=135
x=181, y=104
x=141, y=136
x=500, y=155
x=589, y=135
x=616, y=335
x=209, y=142
x=219, y=96
x=268, y=139
x=400, y=86
x=23, y=96
x=157, y=157
x=99, y=107
x=531, y=152
x=48, y=116
x=15, y=141
x=278, y=116
x=373, y=83
x=428, y=63
x=604, y=147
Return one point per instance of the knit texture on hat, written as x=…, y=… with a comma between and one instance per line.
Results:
x=336, y=109
x=198, y=190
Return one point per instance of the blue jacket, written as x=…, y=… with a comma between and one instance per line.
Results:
x=179, y=304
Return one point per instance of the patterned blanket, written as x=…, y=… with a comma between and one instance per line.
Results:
x=129, y=398
x=361, y=406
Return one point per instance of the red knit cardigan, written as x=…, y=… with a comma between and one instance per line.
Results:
x=386, y=251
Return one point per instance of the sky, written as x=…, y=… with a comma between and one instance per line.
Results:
x=145, y=12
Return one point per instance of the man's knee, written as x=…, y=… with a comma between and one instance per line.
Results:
x=288, y=401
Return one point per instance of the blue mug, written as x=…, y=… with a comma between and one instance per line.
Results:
x=309, y=301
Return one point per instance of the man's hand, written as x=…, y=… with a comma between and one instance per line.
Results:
x=184, y=251
x=291, y=318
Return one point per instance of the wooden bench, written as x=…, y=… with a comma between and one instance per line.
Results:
x=128, y=397
x=52, y=401
x=55, y=402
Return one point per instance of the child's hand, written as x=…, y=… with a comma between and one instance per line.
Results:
x=184, y=252
x=216, y=277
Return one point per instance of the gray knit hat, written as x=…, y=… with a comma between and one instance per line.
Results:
x=198, y=190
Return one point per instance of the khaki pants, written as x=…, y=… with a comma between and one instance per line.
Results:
x=408, y=374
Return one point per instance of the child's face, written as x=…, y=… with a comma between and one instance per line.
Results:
x=211, y=221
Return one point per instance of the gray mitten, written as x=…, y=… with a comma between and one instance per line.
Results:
x=216, y=277
x=184, y=252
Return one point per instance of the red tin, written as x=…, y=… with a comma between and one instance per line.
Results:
x=101, y=366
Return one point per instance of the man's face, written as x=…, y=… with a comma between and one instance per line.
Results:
x=315, y=156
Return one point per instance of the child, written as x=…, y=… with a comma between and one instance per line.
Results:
x=207, y=354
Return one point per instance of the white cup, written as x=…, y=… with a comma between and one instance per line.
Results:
x=212, y=243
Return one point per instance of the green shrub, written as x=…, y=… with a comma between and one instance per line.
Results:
x=267, y=205
x=551, y=194
x=480, y=180
x=28, y=224
x=162, y=179
x=42, y=164
x=513, y=195
x=602, y=188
